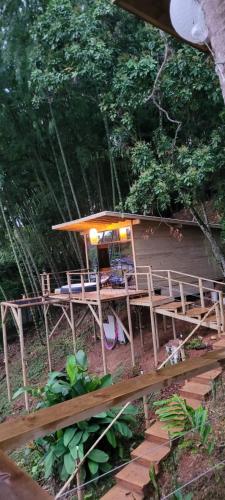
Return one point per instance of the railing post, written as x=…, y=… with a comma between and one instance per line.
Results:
x=151, y=280
x=101, y=322
x=201, y=292
x=69, y=282
x=182, y=297
x=82, y=286
x=152, y=321
x=222, y=311
x=170, y=284
x=129, y=319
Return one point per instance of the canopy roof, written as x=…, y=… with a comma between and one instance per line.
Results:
x=155, y=12
x=106, y=221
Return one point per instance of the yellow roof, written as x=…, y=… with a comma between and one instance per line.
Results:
x=105, y=221
x=155, y=12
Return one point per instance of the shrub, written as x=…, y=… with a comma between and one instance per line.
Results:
x=62, y=448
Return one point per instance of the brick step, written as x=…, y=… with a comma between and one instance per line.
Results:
x=135, y=478
x=207, y=377
x=149, y=453
x=195, y=390
x=118, y=493
x=157, y=434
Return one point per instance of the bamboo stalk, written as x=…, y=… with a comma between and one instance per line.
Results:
x=21, y=339
x=152, y=322
x=46, y=307
x=129, y=320
x=5, y=347
x=101, y=323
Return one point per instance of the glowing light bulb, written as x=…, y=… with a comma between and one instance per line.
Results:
x=93, y=235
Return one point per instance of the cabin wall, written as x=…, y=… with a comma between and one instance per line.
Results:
x=155, y=246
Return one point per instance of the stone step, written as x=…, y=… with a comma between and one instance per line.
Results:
x=118, y=493
x=207, y=377
x=149, y=453
x=157, y=434
x=195, y=390
x=135, y=478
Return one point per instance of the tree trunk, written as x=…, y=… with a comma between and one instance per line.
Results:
x=206, y=229
x=215, y=19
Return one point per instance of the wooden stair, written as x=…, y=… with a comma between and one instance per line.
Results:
x=133, y=481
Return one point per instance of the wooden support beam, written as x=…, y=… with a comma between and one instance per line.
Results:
x=101, y=324
x=4, y=310
x=22, y=353
x=152, y=322
x=29, y=427
x=46, y=308
x=94, y=314
x=16, y=484
x=201, y=292
x=130, y=322
x=73, y=328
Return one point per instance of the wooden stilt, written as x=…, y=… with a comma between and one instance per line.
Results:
x=5, y=347
x=182, y=297
x=20, y=327
x=94, y=329
x=130, y=322
x=164, y=324
x=46, y=307
x=140, y=327
x=101, y=324
x=152, y=322
x=174, y=328
x=218, y=319
x=156, y=331
x=222, y=311
x=73, y=327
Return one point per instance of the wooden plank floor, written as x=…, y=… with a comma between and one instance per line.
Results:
x=157, y=300
x=106, y=294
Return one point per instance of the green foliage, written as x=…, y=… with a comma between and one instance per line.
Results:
x=179, y=418
x=63, y=448
x=195, y=343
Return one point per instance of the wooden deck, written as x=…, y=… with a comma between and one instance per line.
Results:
x=157, y=300
x=106, y=295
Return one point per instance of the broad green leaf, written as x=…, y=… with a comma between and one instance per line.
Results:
x=93, y=467
x=69, y=463
x=110, y=436
x=98, y=456
x=48, y=463
x=76, y=439
x=81, y=359
x=68, y=435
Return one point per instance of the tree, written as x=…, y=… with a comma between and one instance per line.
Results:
x=215, y=19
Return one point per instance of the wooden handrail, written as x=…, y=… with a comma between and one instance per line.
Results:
x=42, y=422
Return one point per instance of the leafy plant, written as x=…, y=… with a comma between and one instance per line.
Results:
x=195, y=343
x=180, y=418
x=63, y=448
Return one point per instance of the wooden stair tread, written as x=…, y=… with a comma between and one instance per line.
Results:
x=195, y=390
x=134, y=476
x=207, y=377
x=150, y=452
x=194, y=403
x=173, y=306
x=156, y=433
x=219, y=344
x=197, y=311
x=119, y=493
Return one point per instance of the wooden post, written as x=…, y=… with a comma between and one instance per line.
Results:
x=69, y=282
x=82, y=286
x=174, y=328
x=157, y=331
x=5, y=347
x=140, y=327
x=101, y=323
x=182, y=297
x=164, y=323
x=222, y=311
x=73, y=327
x=134, y=255
x=43, y=284
x=201, y=292
x=152, y=322
x=145, y=406
x=79, y=490
x=151, y=280
x=46, y=307
x=129, y=321
x=218, y=319
x=170, y=284
x=20, y=327
x=94, y=328
x=86, y=254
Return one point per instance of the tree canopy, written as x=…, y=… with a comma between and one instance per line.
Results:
x=98, y=110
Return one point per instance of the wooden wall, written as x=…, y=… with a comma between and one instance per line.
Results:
x=155, y=246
